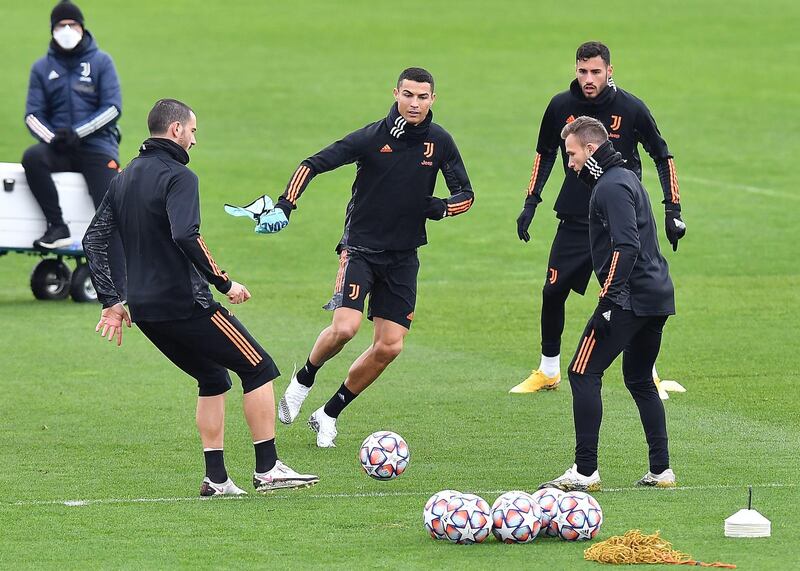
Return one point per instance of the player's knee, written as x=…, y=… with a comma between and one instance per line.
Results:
x=386, y=352
x=553, y=295
x=33, y=157
x=343, y=332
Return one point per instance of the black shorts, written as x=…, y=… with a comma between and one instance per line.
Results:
x=570, y=264
x=209, y=343
x=390, y=279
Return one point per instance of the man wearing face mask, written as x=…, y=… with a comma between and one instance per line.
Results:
x=636, y=298
x=397, y=162
x=593, y=93
x=72, y=108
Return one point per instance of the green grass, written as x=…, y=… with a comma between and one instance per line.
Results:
x=274, y=82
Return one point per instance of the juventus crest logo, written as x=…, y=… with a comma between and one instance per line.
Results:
x=86, y=69
x=616, y=122
x=428, y=150
x=355, y=289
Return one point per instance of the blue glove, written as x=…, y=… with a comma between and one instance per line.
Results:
x=272, y=221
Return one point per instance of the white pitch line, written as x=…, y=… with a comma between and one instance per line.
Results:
x=744, y=187
x=102, y=501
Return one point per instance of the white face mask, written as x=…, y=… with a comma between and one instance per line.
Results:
x=67, y=38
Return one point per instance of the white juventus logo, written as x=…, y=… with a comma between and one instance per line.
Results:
x=86, y=69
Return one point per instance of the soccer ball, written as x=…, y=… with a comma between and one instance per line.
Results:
x=467, y=520
x=384, y=455
x=516, y=518
x=435, y=508
x=547, y=498
x=578, y=517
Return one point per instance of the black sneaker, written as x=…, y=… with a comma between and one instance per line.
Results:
x=57, y=236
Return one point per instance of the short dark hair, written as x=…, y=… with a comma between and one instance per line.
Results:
x=166, y=112
x=587, y=129
x=589, y=50
x=417, y=74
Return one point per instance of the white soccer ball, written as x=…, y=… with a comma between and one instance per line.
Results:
x=578, y=518
x=468, y=519
x=435, y=508
x=516, y=518
x=547, y=498
x=384, y=455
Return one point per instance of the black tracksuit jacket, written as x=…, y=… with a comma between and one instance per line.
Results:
x=155, y=205
x=622, y=233
x=629, y=123
x=392, y=195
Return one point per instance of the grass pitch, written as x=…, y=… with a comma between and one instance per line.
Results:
x=112, y=430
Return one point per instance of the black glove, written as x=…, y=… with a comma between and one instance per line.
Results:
x=675, y=227
x=602, y=316
x=65, y=139
x=284, y=205
x=436, y=208
x=524, y=222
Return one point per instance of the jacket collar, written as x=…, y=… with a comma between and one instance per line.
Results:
x=604, y=158
x=401, y=129
x=606, y=96
x=159, y=145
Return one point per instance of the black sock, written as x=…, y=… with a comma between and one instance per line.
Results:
x=266, y=455
x=215, y=466
x=658, y=469
x=586, y=470
x=338, y=401
x=305, y=376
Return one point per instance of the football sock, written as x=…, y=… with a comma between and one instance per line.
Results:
x=305, y=376
x=658, y=469
x=338, y=401
x=215, y=465
x=550, y=366
x=586, y=470
x=266, y=455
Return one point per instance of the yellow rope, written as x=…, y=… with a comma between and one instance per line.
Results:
x=635, y=547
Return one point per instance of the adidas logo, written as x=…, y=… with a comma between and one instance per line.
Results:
x=53, y=75
x=607, y=315
x=386, y=149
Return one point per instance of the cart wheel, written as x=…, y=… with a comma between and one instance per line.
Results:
x=50, y=280
x=81, y=288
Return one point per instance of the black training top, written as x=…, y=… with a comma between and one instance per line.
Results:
x=622, y=232
x=628, y=121
x=392, y=195
x=155, y=205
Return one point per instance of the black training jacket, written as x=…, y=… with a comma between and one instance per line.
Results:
x=622, y=232
x=629, y=123
x=396, y=169
x=155, y=205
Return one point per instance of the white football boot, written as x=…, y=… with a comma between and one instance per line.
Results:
x=281, y=477
x=226, y=488
x=572, y=480
x=665, y=479
x=324, y=426
x=292, y=400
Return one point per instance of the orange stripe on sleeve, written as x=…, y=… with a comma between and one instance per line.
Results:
x=534, y=173
x=673, y=182
x=611, y=271
x=211, y=262
x=298, y=184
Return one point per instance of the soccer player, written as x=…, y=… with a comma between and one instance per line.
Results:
x=592, y=93
x=155, y=205
x=636, y=297
x=397, y=160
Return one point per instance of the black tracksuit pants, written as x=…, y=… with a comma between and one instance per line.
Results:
x=41, y=160
x=639, y=340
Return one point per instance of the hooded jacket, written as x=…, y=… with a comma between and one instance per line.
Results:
x=77, y=90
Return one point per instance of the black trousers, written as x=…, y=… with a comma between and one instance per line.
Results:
x=41, y=160
x=639, y=340
x=568, y=269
